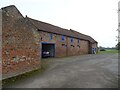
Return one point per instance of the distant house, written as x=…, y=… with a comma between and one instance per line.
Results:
x=25, y=41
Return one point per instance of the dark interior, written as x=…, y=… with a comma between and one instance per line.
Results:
x=48, y=48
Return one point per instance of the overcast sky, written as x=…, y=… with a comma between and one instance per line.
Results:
x=97, y=18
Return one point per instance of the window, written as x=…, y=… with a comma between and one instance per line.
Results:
x=71, y=39
x=63, y=44
x=78, y=46
x=51, y=36
x=41, y=38
x=72, y=46
x=78, y=40
x=63, y=38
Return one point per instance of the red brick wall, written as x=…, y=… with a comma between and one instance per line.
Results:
x=73, y=49
x=77, y=48
x=94, y=45
x=84, y=47
x=60, y=49
x=20, y=43
x=66, y=47
x=61, y=46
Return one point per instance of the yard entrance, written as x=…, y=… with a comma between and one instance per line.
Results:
x=48, y=50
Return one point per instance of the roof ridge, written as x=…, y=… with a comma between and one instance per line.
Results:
x=78, y=32
x=8, y=6
x=46, y=23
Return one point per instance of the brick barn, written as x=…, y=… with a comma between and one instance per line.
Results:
x=25, y=41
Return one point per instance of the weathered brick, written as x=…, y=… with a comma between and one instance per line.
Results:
x=20, y=49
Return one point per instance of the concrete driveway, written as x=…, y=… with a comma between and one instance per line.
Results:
x=85, y=71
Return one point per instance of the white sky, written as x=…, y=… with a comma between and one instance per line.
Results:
x=97, y=18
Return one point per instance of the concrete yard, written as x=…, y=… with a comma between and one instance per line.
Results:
x=84, y=71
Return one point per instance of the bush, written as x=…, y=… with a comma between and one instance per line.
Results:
x=102, y=50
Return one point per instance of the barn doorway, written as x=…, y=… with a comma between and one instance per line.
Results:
x=48, y=50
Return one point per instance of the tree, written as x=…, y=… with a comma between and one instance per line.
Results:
x=118, y=46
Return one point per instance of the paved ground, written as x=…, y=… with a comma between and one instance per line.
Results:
x=85, y=71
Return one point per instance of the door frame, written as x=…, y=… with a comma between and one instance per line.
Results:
x=50, y=44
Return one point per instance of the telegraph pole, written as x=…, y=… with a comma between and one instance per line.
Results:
x=118, y=37
x=118, y=43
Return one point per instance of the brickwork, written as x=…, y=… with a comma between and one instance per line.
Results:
x=66, y=47
x=60, y=46
x=84, y=47
x=95, y=46
x=20, y=46
x=72, y=46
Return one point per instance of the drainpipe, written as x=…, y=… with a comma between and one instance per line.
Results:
x=66, y=46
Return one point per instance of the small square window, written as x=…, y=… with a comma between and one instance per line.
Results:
x=41, y=38
x=78, y=40
x=63, y=44
x=72, y=39
x=72, y=45
x=78, y=46
x=51, y=36
x=63, y=38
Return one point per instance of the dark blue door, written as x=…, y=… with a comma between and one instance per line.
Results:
x=92, y=50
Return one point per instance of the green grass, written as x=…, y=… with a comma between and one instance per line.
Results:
x=108, y=52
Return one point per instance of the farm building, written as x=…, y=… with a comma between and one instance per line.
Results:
x=25, y=41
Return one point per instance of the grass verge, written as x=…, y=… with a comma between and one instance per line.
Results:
x=109, y=52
